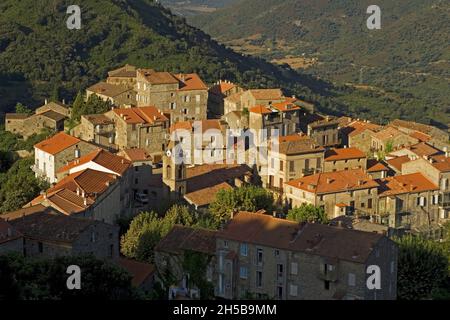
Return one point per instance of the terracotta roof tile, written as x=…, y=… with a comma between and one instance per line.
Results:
x=191, y=81
x=127, y=71
x=203, y=197
x=156, y=77
x=410, y=183
x=107, y=89
x=376, y=166
x=331, y=182
x=398, y=162
x=59, y=142
x=97, y=119
x=182, y=238
x=260, y=110
x=299, y=146
x=140, y=271
x=222, y=87
x=266, y=94
x=441, y=162
x=141, y=115
x=316, y=239
x=136, y=154
x=192, y=125
x=336, y=154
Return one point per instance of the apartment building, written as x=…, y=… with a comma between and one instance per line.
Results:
x=296, y=156
x=259, y=256
x=337, y=159
x=54, y=153
x=143, y=127
x=325, y=132
x=97, y=129
x=409, y=203
x=184, y=96
x=347, y=192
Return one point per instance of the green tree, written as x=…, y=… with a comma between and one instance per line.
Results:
x=308, y=213
x=20, y=108
x=422, y=267
x=195, y=264
x=247, y=198
x=77, y=107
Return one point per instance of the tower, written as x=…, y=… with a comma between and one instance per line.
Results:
x=174, y=176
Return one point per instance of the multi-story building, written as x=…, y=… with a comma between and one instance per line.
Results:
x=232, y=103
x=184, y=96
x=117, y=95
x=11, y=240
x=325, y=132
x=347, y=192
x=389, y=139
x=143, y=127
x=260, y=97
x=170, y=254
x=217, y=93
x=97, y=129
x=409, y=203
x=54, y=153
x=296, y=156
x=124, y=76
x=357, y=134
x=338, y=159
x=47, y=233
x=50, y=116
x=259, y=256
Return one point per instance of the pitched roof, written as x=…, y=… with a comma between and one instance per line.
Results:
x=410, y=183
x=141, y=115
x=441, y=162
x=292, y=137
x=97, y=119
x=136, y=154
x=398, y=162
x=140, y=271
x=236, y=98
x=16, y=116
x=299, y=146
x=423, y=149
x=127, y=71
x=103, y=158
x=56, y=116
x=193, y=125
x=52, y=227
x=203, y=197
x=356, y=127
x=316, y=239
x=222, y=87
x=338, y=181
x=286, y=105
x=266, y=94
x=107, y=89
x=324, y=122
x=375, y=166
x=23, y=212
x=387, y=133
x=182, y=238
x=336, y=154
x=57, y=143
x=191, y=81
x=420, y=136
x=412, y=125
x=260, y=110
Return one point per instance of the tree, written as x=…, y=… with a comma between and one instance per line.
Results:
x=422, y=267
x=20, y=108
x=247, y=198
x=307, y=213
x=77, y=107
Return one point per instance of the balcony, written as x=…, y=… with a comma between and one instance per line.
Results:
x=309, y=172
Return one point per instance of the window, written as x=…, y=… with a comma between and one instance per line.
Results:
x=281, y=165
x=326, y=285
x=197, y=98
x=40, y=247
x=421, y=201
x=280, y=271
x=259, y=256
x=259, y=279
x=244, y=249
x=243, y=272
x=369, y=203
x=293, y=290
x=277, y=253
x=294, y=268
x=225, y=243
x=351, y=279
x=292, y=166
x=280, y=292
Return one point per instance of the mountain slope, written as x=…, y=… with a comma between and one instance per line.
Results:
x=403, y=69
x=40, y=57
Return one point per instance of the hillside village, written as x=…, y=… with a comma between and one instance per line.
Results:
x=373, y=182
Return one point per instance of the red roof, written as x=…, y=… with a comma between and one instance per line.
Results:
x=141, y=115
x=59, y=142
x=410, y=183
x=191, y=81
x=103, y=158
x=398, y=162
x=344, y=154
x=139, y=270
x=260, y=110
x=375, y=166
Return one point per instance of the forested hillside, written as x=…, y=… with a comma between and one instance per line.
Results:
x=40, y=57
x=402, y=70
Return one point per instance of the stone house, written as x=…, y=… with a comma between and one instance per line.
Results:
x=338, y=159
x=143, y=127
x=217, y=93
x=232, y=103
x=325, y=132
x=263, y=257
x=296, y=156
x=48, y=233
x=11, y=240
x=124, y=76
x=412, y=128
x=53, y=153
x=377, y=169
x=170, y=254
x=97, y=129
x=117, y=95
x=49, y=116
x=144, y=274
x=391, y=138
x=260, y=97
x=347, y=192
x=357, y=134
x=183, y=96
x=409, y=203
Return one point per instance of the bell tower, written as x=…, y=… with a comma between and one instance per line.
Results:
x=174, y=176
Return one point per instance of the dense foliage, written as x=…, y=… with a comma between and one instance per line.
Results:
x=401, y=70
x=45, y=279
x=422, y=268
x=307, y=213
x=247, y=198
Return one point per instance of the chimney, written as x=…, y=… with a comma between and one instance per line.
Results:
x=64, y=101
x=46, y=101
x=329, y=180
x=85, y=202
x=78, y=191
x=83, y=194
x=274, y=214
